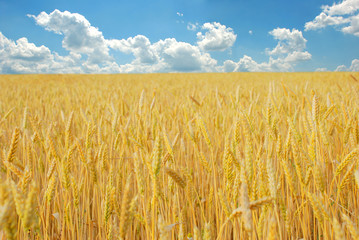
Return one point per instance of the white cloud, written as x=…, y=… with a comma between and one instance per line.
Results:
x=343, y=15
x=296, y=56
x=229, y=66
x=166, y=55
x=247, y=64
x=24, y=57
x=288, y=52
x=343, y=8
x=181, y=56
x=321, y=70
x=353, y=28
x=23, y=50
x=250, y=32
x=354, y=67
x=217, y=37
x=288, y=41
x=90, y=51
x=79, y=35
x=341, y=68
x=139, y=46
x=323, y=20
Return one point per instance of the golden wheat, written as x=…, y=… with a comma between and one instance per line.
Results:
x=177, y=156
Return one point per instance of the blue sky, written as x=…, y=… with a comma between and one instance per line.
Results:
x=178, y=36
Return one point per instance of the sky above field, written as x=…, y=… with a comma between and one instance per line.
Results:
x=141, y=36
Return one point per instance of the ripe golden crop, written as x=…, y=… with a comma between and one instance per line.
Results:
x=177, y=156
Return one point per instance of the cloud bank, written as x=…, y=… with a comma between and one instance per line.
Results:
x=283, y=57
x=90, y=52
x=354, y=67
x=343, y=16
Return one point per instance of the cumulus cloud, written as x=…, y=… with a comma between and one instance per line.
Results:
x=288, y=41
x=247, y=64
x=23, y=50
x=23, y=57
x=323, y=20
x=229, y=66
x=341, y=68
x=168, y=55
x=91, y=52
x=181, y=56
x=162, y=56
x=297, y=56
x=345, y=7
x=283, y=57
x=217, y=37
x=79, y=36
x=139, y=46
x=343, y=15
x=353, y=28
x=354, y=67
x=321, y=70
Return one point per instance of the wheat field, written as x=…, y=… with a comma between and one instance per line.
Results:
x=179, y=156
